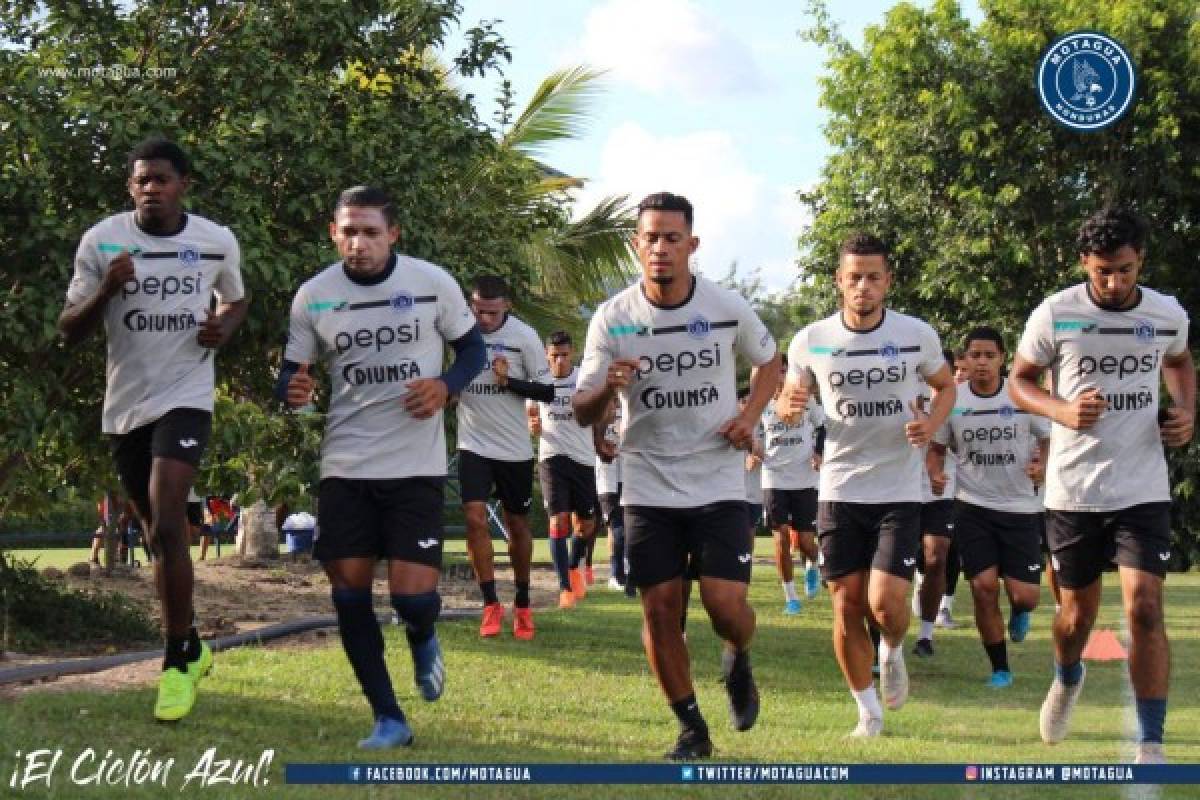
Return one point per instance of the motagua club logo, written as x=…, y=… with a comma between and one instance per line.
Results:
x=1086, y=81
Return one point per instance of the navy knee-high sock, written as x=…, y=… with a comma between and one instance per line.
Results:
x=558, y=554
x=618, y=553
x=363, y=643
x=578, y=551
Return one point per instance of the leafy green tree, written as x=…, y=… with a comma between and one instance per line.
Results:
x=281, y=105
x=940, y=146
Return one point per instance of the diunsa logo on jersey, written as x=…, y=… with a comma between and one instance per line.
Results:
x=189, y=257
x=402, y=301
x=1086, y=81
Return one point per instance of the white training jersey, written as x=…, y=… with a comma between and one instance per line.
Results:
x=561, y=434
x=608, y=476
x=154, y=362
x=1119, y=461
x=375, y=336
x=993, y=442
x=788, y=449
x=867, y=381
x=491, y=418
x=683, y=391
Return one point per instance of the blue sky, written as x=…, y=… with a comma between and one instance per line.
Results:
x=716, y=100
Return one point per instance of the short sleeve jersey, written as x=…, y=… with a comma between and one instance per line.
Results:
x=491, y=419
x=561, y=434
x=993, y=442
x=788, y=449
x=672, y=454
x=154, y=362
x=867, y=380
x=374, y=338
x=1119, y=461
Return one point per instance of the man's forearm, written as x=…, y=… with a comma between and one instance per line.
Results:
x=77, y=321
x=590, y=405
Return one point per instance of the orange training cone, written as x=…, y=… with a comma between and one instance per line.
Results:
x=1103, y=645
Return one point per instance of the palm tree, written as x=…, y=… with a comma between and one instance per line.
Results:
x=584, y=260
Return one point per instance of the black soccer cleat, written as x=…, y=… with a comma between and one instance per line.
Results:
x=923, y=648
x=739, y=684
x=690, y=745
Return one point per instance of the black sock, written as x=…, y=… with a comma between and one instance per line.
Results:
x=683, y=619
x=578, y=551
x=876, y=636
x=618, y=554
x=193, y=644
x=175, y=654
x=558, y=555
x=687, y=711
x=488, y=588
x=522, y=598
x=363, y=643
x=998, y=655
x=591, y=548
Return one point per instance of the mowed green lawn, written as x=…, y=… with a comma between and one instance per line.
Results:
x=582, y=692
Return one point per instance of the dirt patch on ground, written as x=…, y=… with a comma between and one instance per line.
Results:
x=234, y=597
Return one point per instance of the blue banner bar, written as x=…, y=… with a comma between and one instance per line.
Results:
x=426, y=773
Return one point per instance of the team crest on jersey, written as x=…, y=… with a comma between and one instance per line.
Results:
x=402, y=301
x=698, y=327
x=189, y=257
x=1144, y=330
x=1086, y=81
x=1006, y=411
x=890, y=351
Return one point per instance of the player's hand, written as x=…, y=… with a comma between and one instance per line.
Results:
x=426, y=397
x=1036, y=470
x=607, y=451
x=300, y=388
x=753, y=462
x=1082, y=412
x=937, y=483
x=621, y=373
x=500, y=369
x=815, y=462
x=212, y=332
x=792, y=400
x=738, y=432
x=535, y=424
x=120, y=270
x=918, y=432
x=1178, y=429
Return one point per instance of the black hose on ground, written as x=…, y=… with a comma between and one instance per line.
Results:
x=76, y=666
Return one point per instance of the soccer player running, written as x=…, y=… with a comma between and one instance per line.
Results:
x=997, y=509
x=869, y=363
x=494, y=450
x=379, y=322
x=937, y=533
x=667, y=347
x=150, y=276
x=789, y=480
x=1108, y=342
x=565, y=469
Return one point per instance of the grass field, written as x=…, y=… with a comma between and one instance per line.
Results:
x=582, y=692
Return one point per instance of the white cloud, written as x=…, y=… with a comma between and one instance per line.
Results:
x=667, y=47
x=740, y=216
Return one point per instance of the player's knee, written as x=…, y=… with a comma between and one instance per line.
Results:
x=1145, y=612
x=986, y=589
x=418, y=611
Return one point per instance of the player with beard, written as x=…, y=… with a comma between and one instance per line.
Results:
x=869, y=363
x=668, y=347
x=1108, y=343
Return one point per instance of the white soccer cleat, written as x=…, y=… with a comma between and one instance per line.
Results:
x=867, y=728
x=944, y=620
x=893, y=681
x=1055, y=719
x=1150, y=753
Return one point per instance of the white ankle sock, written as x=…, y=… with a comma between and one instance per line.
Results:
x=868, y=702
x=789, y=591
